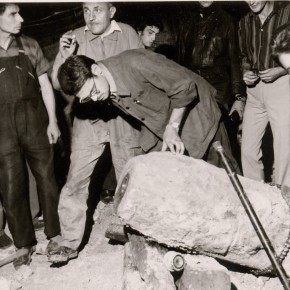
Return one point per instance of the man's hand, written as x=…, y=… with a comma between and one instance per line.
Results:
x=271, y=74
x=53, y=132
x=172, y=140
x=250, y=77
x=238, y=106
x=67, y=44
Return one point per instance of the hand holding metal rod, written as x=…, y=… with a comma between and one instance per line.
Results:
x=253, y=217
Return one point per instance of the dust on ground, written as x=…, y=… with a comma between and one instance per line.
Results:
x=99, y=266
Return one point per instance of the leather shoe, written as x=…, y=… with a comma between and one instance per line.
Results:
x=5, y=242
x=53, y=245
x=23, y=256
x=62, y=255
x=107, y=196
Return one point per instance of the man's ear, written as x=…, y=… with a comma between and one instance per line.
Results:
x=112, y=12
x=96, y=70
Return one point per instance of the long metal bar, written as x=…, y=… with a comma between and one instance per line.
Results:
x=280, y=271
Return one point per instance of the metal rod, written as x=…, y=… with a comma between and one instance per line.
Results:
x=253, y=217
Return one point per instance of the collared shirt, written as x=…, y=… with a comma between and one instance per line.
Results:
x=113, y=27
x=256, y=38
x=31, y=49
x=122, y=37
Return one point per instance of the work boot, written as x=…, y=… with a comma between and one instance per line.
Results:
x=53, y=245
x=107, y=196
x=62, y=255
x=23, y=256
x=5, y=241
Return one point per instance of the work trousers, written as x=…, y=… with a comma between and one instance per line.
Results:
x=267, y=102
x=33, y=201
x=23, y=139
x=89, y=139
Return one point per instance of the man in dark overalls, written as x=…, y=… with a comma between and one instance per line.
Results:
x=28, y=127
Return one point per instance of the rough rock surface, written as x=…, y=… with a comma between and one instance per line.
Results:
x=186, y=203
x=99, y=267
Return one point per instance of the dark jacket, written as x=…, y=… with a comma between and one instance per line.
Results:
x=149, y=86
x=209, y=47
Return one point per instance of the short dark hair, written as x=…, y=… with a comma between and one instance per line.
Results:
x=3, y=7
x=149, y=20
x=74, y=72
x=281, y=40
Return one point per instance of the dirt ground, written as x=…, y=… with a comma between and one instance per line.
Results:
x=98, y=267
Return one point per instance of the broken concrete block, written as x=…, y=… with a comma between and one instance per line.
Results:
x=132, y=279
x=116, y=230
x=187, y=203
x=149, y=262
x=203, y=273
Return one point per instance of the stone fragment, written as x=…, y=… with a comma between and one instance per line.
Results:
x=203, y=273
x=149, y=262
x=186, y=203
x=132, y=279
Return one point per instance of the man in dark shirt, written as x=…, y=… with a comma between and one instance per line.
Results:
x=267, y=90
x=208, y=45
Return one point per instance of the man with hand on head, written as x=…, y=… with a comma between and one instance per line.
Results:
x=94, y=125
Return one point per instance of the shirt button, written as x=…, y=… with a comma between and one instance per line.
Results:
x=127, y=108
x=142, y=119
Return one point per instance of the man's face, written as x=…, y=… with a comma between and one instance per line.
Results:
x=98, y=16
x=148, y=35
x=96, y=89
x=10, y=20
x=257, y=6
x=284, y=59
x=205, y=4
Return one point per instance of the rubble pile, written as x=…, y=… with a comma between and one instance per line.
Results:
x=185, y=204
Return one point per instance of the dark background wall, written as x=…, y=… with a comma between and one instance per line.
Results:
x=46, y=22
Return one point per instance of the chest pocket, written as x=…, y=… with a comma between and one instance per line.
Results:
x=9, y=80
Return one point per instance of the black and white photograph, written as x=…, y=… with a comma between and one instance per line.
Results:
x=145, y=145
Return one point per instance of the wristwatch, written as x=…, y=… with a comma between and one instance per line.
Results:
x=174, y=125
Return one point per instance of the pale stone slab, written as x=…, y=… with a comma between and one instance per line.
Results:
x=186, y=203
x=149, y=262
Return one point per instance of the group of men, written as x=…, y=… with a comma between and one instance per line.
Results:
x=154, y=103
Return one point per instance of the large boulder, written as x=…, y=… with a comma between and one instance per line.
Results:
x=189, y=204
